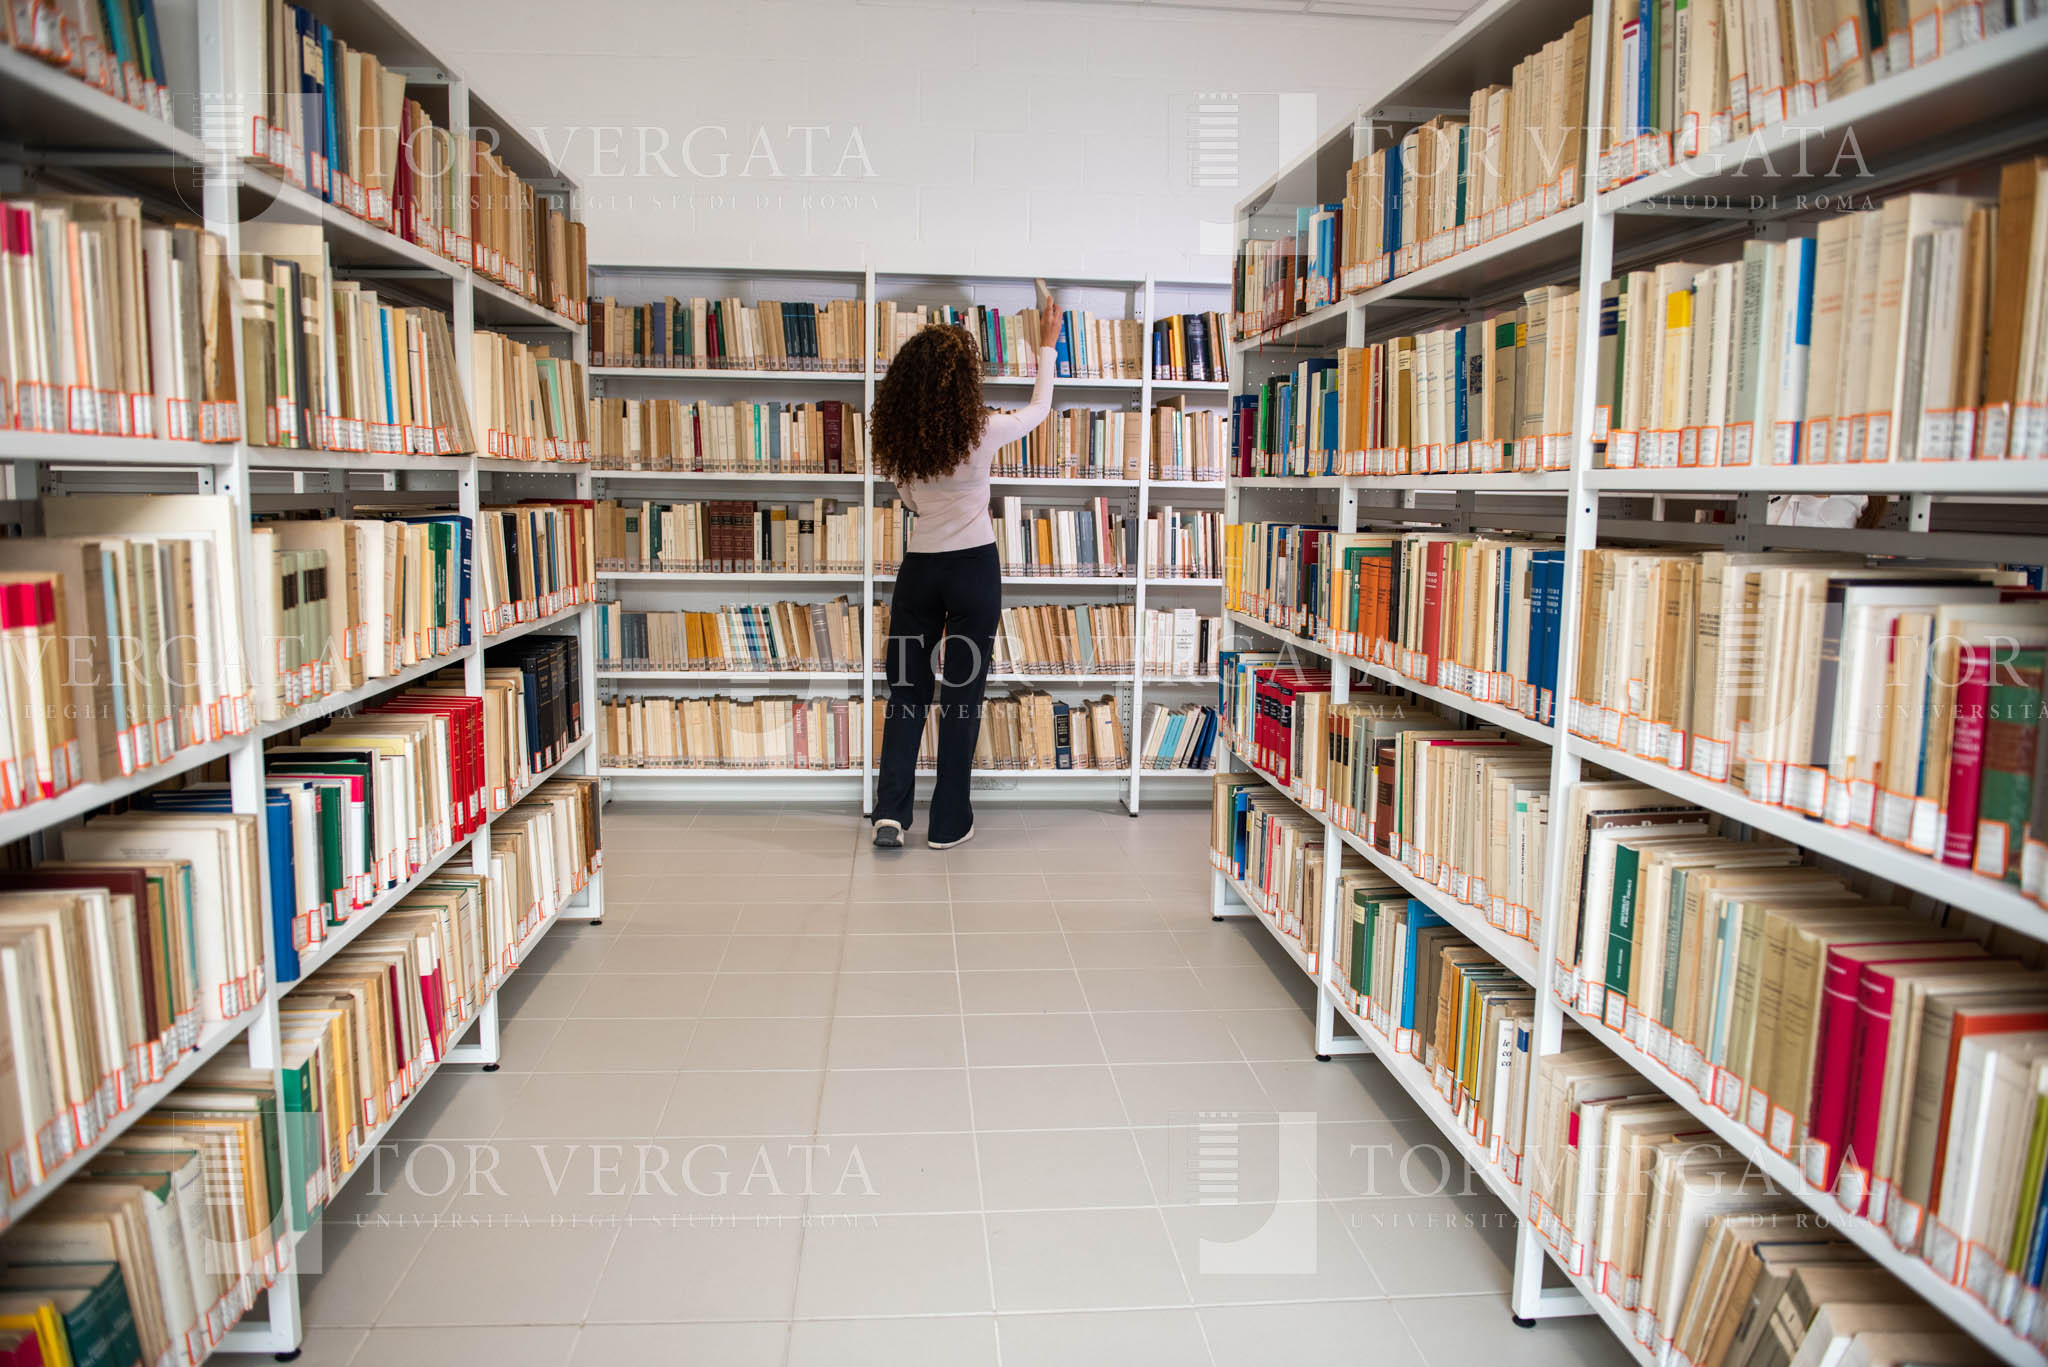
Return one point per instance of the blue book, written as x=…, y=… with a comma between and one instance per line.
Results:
x=1553, y=625
x=1390, y=228
x=1459, y=431
x=280, y=892
x=152, y=42
x=1063, y=350
x=1420, y=918
x=1799, y=261
x=330, y=115
x=1646, y=65
x=312, y=93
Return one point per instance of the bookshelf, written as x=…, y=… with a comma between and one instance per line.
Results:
x=1142, y=299
x=64, y=132
x=1972, y=105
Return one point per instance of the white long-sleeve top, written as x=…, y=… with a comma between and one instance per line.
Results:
x=952, y=510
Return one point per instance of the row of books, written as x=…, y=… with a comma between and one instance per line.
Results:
x=363, y=804
x=1464, y=810
x=1091, y=539
x=363, y=1033
x=1478, y=616
x=1093, y=638
x=1273, y=850
x=1190, y=347
x=136, y=933
x=1189, y=445
x=115, y=48
x=1029, y=729
x=1442, y=187
x=1492, y=395
x=1178, y=738
x=529, y=404
x=330, y=366
x=335, y=121
x=827, y=438
x=1890, y=1052
x=534, y=559
x=1034, y=638
x=736, y=636
x=1431, y=994
x=1905, y=702
x=123, y=640
x=1076, y=443
x=1183, y=543
x=1897, y=333
x=118, y=326
x=730, y=536
x=164, y=1240
x=1452, y=183
x=1680, y=83
x=344, y=602
x=521, y=238
x=1089, y=347
x=727, y=334
x=763, y=732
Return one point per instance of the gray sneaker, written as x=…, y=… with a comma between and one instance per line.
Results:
x=888, y=835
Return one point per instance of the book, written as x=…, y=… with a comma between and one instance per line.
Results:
x=703, y=333
x=742, y=636
x=1190, y=347
x=528, y=404
x=769, y=437
x=724, y=732
x=1090, y=347
x=729, y=536
x=122, y=326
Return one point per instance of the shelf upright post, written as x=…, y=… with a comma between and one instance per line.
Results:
x=870, y=308
x=221, y=209
x=1528, y=1299
x=1133, y=738
x=1328, y=1044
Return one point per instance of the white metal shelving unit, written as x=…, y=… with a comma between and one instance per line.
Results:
x=54, y=124
x=1971, y=105
x=1143, y=299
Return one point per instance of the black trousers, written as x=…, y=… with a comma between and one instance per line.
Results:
x=955, y=597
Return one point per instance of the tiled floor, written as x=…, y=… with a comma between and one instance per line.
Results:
x=799, y=1103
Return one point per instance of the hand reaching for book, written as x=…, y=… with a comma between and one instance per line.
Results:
x=1048, y=320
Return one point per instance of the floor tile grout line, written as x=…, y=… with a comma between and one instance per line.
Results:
x=988, y=1250
x=1116, y=1084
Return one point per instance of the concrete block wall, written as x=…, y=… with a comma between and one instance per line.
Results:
x=1002, y=137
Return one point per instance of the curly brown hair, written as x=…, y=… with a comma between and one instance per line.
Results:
x=928, y=410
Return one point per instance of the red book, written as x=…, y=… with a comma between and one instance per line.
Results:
x=1432, y=607
x=1966, y=755
x=1876, y=993
x=1835, y=1064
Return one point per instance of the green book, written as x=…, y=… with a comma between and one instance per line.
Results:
x=91, y=1299
x=1621, y=919
x=2012, y=713
x=301, y=1112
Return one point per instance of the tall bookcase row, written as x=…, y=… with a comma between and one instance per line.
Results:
x=1974, y=104
x=1141, y=300
x=61, y=131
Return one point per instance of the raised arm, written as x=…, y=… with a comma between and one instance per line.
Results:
x=1004, y=428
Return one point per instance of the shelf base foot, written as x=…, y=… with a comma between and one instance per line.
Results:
x=490, y=1067
x=1521, y=1323
x=1322, y=1058
x=598, y=921
x=1219, y=918
x=292, y=1356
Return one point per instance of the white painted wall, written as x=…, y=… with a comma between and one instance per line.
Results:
x=1013, y=136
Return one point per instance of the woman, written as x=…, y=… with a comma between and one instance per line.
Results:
x=933, y=437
